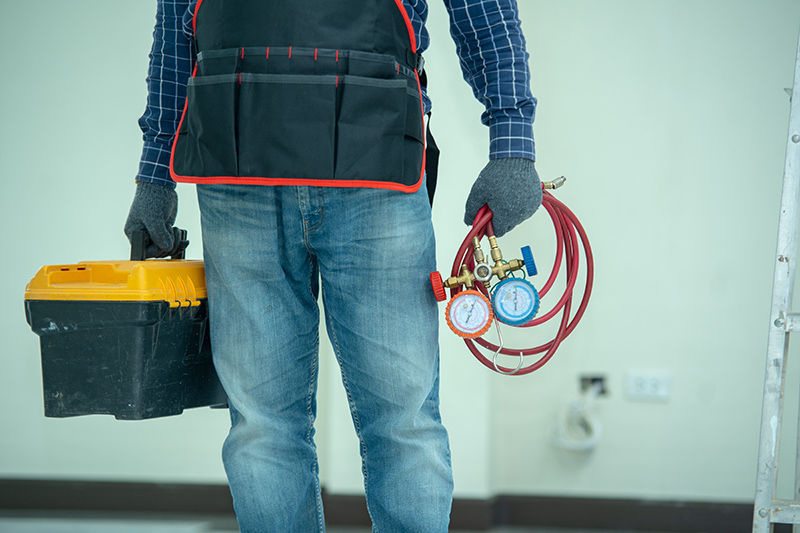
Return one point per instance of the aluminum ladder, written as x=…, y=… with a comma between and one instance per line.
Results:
x=768, y=510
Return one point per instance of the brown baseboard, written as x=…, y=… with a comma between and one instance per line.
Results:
x=467, y=514
x=639, y=515
x=473, y=515
x=584, y=513
x=103, y=496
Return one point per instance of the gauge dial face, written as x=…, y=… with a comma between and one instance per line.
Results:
x=469, y=314
x=515, y=301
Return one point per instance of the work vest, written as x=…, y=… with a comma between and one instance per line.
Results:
x=303, y=92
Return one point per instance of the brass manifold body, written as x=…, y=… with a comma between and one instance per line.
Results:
x=483, y=271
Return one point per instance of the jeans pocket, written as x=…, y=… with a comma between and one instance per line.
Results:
x=370, y=129
x=286, y=126
x=206, y=143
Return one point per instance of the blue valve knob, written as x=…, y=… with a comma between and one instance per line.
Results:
x=527, y=258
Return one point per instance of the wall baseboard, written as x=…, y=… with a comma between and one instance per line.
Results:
x=468, y=514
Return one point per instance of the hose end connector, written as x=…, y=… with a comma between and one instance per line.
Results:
x=555, y=184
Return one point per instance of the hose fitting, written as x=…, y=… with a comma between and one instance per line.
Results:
x=555, y=184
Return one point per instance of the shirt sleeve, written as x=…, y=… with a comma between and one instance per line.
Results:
x=171, y=59
x=494, y=61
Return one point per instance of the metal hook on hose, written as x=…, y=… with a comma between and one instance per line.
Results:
x=499, y=348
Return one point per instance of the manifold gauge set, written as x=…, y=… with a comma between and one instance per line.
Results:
x=476, y=303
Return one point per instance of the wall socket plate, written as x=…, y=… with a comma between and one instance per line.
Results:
x=587, y=381
x=648, y=385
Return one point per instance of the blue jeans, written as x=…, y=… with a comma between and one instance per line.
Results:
x=266, y=251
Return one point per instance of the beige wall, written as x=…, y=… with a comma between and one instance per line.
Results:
x=669, y=120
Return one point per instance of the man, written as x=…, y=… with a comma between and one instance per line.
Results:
x=304, y=130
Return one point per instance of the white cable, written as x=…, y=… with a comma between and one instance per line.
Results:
x=578, y=428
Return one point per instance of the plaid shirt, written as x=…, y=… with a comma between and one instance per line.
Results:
x=489, y=42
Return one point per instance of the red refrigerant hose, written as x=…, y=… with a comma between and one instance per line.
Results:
x=568, y=231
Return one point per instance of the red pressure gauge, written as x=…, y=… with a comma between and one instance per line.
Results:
x=469, y=314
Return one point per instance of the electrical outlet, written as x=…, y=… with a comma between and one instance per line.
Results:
x=648, y=385
x=588, y=381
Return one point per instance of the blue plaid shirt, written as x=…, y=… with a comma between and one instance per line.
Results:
x=489, y=43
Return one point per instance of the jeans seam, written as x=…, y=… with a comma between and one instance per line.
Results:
x=312, y=416
x=353, y=411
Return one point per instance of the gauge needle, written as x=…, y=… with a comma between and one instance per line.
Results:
x=469, y=315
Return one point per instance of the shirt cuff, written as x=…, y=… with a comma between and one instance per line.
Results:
x=154, y=165
x=511, y=137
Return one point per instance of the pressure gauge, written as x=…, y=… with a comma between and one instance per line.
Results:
x=515, y=301
x=469, y=314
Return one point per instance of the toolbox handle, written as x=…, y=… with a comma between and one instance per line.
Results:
x=141, y=239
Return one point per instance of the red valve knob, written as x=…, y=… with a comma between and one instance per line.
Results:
x=438, y=287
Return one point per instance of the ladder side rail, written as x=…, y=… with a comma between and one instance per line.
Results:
x=792, y=168
x=793, y=165
x=765, y=511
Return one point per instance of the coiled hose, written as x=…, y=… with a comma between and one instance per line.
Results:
x=569, y=235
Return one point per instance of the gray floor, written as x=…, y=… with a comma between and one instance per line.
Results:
x=27, y=522
x=11, y=522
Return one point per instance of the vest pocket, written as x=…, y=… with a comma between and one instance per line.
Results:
x=206, y=144
x=286, y=126
x=289, y=127
x=370, y=130
x=414, y=141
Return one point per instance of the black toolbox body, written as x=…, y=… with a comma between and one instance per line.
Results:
x=125, y=338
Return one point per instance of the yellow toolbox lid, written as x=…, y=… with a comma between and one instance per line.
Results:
x=182, y=283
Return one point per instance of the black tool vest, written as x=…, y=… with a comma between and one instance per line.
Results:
x=303, y=92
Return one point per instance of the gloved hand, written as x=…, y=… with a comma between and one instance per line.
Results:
x=154, y=210
x=512, y=189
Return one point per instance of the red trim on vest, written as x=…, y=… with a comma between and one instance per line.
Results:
x=194, y=18
x=298, y=181
x=311, y=183
x=411, y=35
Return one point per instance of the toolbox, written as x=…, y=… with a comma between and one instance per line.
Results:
x=125, y=338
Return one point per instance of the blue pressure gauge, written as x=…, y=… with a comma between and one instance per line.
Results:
x=515, y=301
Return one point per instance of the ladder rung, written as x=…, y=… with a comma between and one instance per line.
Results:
x=790, y=322
x=785, y=512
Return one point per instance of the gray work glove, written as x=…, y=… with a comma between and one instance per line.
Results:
x=153, y=211
x=512, y=189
